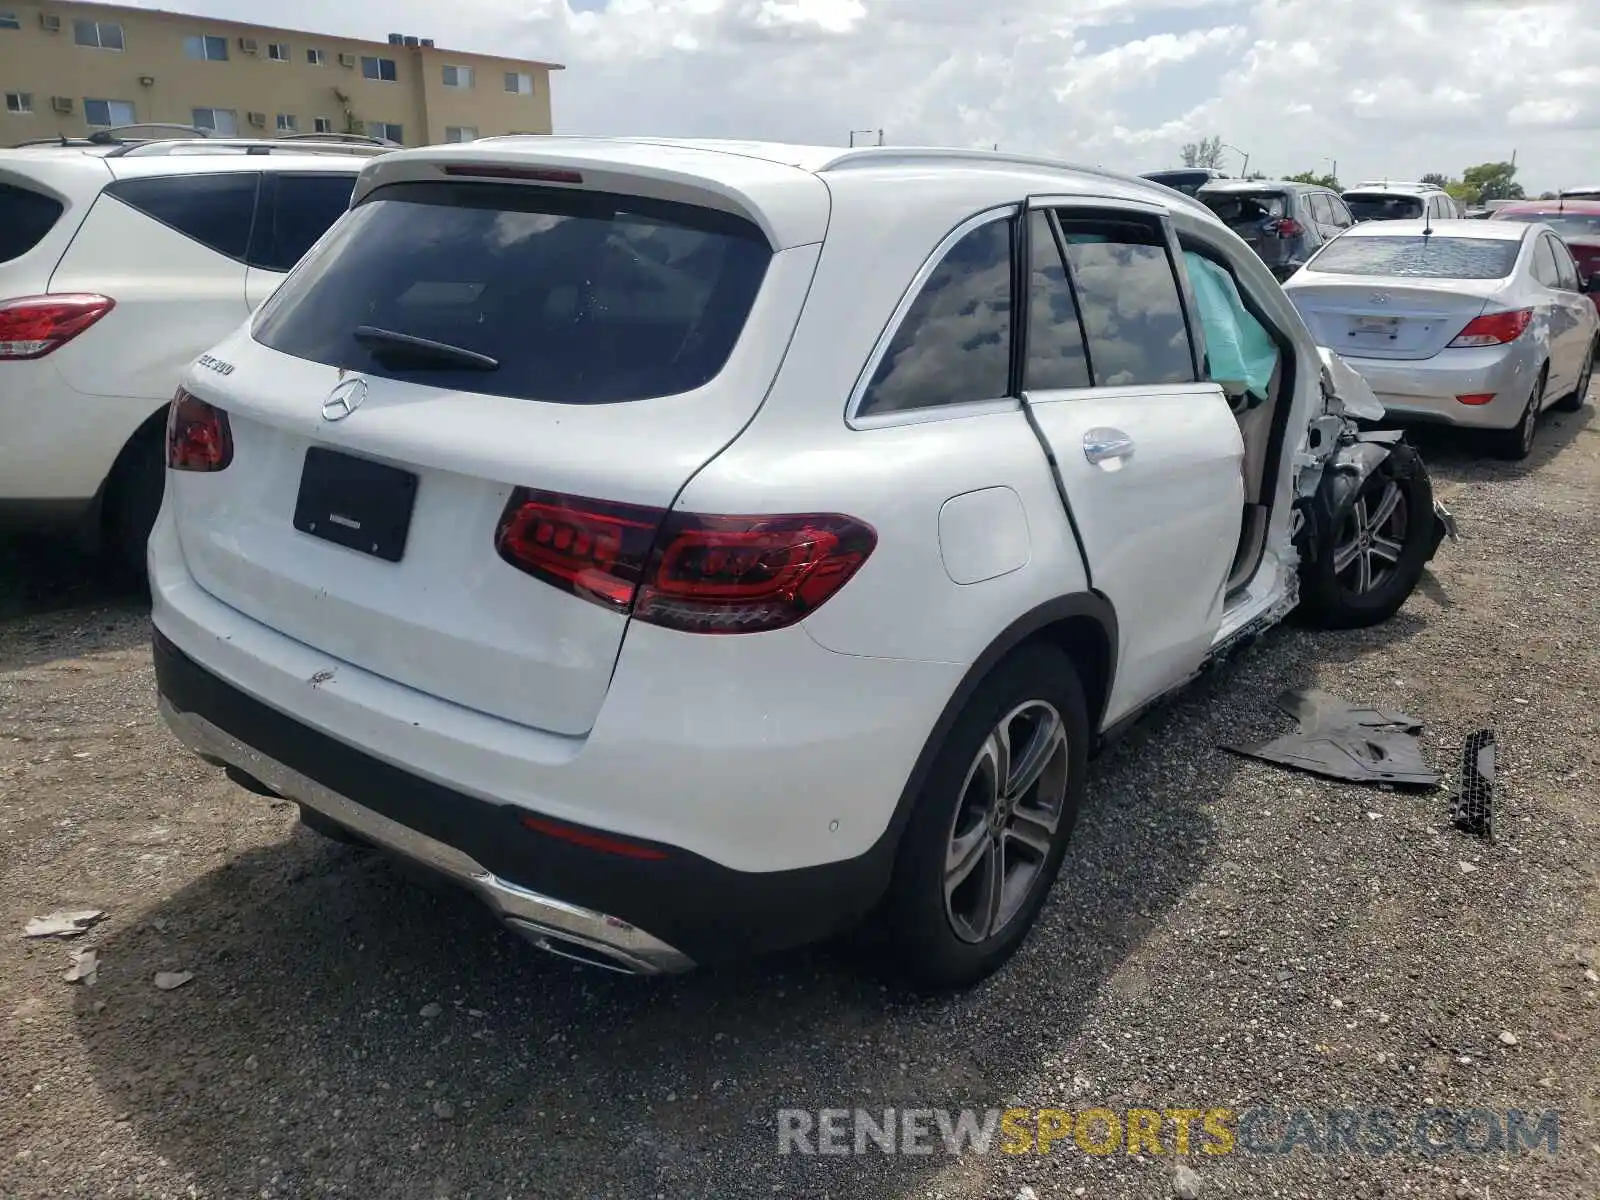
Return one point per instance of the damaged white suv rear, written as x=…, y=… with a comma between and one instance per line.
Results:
x=700, y=548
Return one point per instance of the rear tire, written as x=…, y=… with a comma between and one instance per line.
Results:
x=1579, y=396
x=1371, y=564
x=133, y=499
x=942, y=927
x=1516, y=443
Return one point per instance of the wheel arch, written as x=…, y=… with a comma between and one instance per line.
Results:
x=1082, y=625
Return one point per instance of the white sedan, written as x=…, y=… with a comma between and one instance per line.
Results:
x=1482, y=324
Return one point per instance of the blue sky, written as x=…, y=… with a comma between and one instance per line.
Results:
x=1385, y=87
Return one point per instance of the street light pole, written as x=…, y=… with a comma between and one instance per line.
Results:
x=1244, y=171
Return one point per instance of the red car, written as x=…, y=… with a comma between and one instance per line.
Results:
x=1576, y=222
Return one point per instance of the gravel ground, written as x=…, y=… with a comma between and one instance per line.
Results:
x=1224, y=934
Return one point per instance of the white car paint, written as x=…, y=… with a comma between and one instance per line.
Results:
x=69, y=415
x=767, y=752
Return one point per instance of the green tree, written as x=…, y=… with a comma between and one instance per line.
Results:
x=1207, y=152
x=1437, y=179
x=1493, y=181
x=1463, y=192
x=1315, y=179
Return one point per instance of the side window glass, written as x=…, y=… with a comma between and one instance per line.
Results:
x=1128, y=295
x=1566, y=269
x=1341, y=213
x=1544, y=264
x=214, y=210
x=295, y=211
x=954, y=345
x=1318, y=205
x=1055, y=338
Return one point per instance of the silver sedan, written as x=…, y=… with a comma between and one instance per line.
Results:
x=1472, y=323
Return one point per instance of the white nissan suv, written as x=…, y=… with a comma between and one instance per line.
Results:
x=702, y=548
x=119, y=262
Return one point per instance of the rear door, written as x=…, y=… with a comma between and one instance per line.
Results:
x=170, y=250
x=1148, y=456
x=1571, y=318
x=445, y=344
x=294, y=210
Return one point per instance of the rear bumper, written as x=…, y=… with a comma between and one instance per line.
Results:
x=1426, y=390
x=645, y=915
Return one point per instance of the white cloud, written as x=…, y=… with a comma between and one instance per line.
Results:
x=1385, y=87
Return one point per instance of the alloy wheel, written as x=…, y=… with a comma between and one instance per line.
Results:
x=1530, y=418
x=1374, y=536
x=1011, y=805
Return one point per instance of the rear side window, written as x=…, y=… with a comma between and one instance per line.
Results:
x=295, y=211
x=1238, y=209
x=1055, y=335
x=1418, y=257
x=1127, y=291
x=214, y=210
x=542, y=294
x=25, y=217
x=954, y=344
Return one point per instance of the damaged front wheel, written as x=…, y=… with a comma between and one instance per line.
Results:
x=1379, y=544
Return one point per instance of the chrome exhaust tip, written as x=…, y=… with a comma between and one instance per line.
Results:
x=582, y=950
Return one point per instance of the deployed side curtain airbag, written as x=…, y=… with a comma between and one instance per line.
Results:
x=1240, y=354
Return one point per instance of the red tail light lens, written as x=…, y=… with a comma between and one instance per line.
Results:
x=686, y=571
x=33, y=326
x=1494, y=329
x=1475, y=398
x=1290, y=228
x=198, y=437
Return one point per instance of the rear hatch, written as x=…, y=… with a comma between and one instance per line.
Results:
x=594, y=345
x=1262, y=218
x=1399, y=297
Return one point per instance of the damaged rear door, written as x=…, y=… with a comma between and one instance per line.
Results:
x=1147, y=455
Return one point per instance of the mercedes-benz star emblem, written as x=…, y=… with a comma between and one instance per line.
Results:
x=345, y=398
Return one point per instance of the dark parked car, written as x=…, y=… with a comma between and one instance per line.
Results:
x=1187, y=180
x=1285, y=223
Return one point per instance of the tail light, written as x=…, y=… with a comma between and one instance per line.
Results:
x=1289, y=228
x=1494, y=329
x=687, y=571
x=1475, y=398
x=198, y=437
x=33, y=326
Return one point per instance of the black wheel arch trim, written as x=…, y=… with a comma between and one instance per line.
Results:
x=1343, y=478
x=1080, y=605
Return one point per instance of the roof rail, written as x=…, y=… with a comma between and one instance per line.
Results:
x=114, y=135
x=59, y=140
x=294, y=144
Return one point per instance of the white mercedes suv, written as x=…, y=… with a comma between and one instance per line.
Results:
x=702, y=548
x=119, y=262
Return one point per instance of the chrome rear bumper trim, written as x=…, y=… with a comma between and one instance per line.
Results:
x=551, y=924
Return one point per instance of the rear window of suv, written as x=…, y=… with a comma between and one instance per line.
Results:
x=25, y=217
x=1418, y=257
x=1381, y=206
x=562, y=296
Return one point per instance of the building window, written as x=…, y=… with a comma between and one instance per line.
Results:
x=458, y=77
x=214, y=49
x=103, y=114
x=287, y=123
x=316, y=57
x=378, y=68
x=19, y=102
x=8, y=20
x=519, y=82
x=460, y=133
x=322, y=124
x=222, y=121
x=278, y=51
x=383, y=129
x=101, y=35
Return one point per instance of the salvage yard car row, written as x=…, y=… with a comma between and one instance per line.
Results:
x=700, y=548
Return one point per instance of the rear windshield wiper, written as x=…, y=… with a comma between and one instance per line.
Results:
x=442, y=353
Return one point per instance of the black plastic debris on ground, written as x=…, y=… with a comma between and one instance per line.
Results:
x=1473, y=811
x=1341, y=741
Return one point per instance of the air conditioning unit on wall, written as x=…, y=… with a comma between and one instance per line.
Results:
x=247, y=45
x=347, y=60
x=61, y=104
x=257, y=118
x=49, y=22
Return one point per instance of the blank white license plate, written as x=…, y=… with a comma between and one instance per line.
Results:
x=1384, y=325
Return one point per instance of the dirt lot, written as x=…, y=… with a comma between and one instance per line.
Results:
x=1224, y=935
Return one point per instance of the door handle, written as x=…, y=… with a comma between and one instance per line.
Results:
x=1102, y=445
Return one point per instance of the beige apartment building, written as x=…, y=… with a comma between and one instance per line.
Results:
x=70, y=68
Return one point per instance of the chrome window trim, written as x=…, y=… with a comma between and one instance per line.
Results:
x=881, y=346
